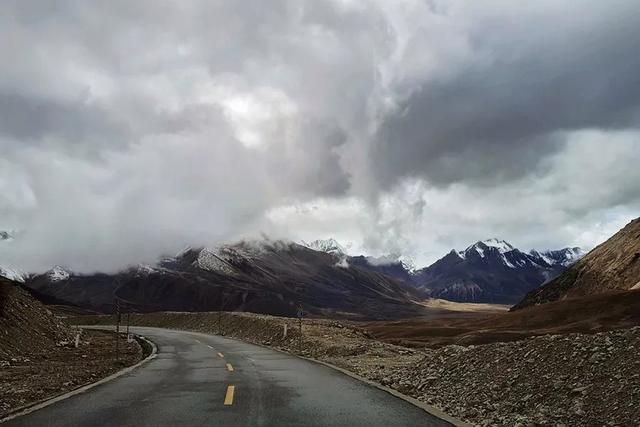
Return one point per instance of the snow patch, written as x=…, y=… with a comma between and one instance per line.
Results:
x=145, y=270
x=58, y=274
x=210, y=260
x=343, y=263
x=501, y=245
x=506, y=262
x=330, y=246
x=13, y=274
x=406, y=261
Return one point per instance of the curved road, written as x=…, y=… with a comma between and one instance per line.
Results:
x=188, y=383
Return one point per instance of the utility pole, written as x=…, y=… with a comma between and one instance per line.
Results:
x=117, y=330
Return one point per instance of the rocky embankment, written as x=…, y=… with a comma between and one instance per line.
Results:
x=39, y=358
x=571, y=380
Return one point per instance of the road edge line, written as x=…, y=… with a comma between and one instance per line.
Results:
x=18, y=412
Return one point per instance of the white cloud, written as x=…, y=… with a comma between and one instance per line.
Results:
x=412, y=127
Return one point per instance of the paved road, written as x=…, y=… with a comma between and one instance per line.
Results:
x=187, y=384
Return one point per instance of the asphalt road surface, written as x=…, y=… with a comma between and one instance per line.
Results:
x=198, y=379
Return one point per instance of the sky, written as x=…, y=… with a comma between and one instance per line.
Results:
x=129, y=130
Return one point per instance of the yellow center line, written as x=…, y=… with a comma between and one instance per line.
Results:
x=228, y=399
x=229, y=367
x=220, y=354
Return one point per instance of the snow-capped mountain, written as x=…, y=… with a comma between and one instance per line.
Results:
x=565, y=257
x=330, y=246
x=57, y=274
x=492, y=271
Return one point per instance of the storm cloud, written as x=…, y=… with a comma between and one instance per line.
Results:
x=131, y=129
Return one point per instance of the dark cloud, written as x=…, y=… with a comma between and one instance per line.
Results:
x=34, y=120
x=528, y=79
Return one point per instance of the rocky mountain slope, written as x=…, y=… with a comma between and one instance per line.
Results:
x=614, y=265
x=270, y=277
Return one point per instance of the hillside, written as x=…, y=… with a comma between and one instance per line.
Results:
x=614, y=265
x=261, y=277
x=25, y=323
x=38, y=355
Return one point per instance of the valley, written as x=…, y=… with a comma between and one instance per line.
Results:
x=569, y=358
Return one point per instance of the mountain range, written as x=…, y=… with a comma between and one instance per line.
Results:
x=492, y=271
x=489, y=271
x=273, y=276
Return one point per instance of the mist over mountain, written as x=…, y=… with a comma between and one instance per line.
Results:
x=490, y=271
x=271, y=277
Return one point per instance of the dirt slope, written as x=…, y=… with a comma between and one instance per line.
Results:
x=25, y=324
x=38, y=356
x=614, y=265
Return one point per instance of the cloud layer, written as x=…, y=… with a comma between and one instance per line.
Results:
x=131, y=129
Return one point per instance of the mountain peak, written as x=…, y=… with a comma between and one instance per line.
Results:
x=58, y=274
x=501, y=245
x=330, y=246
